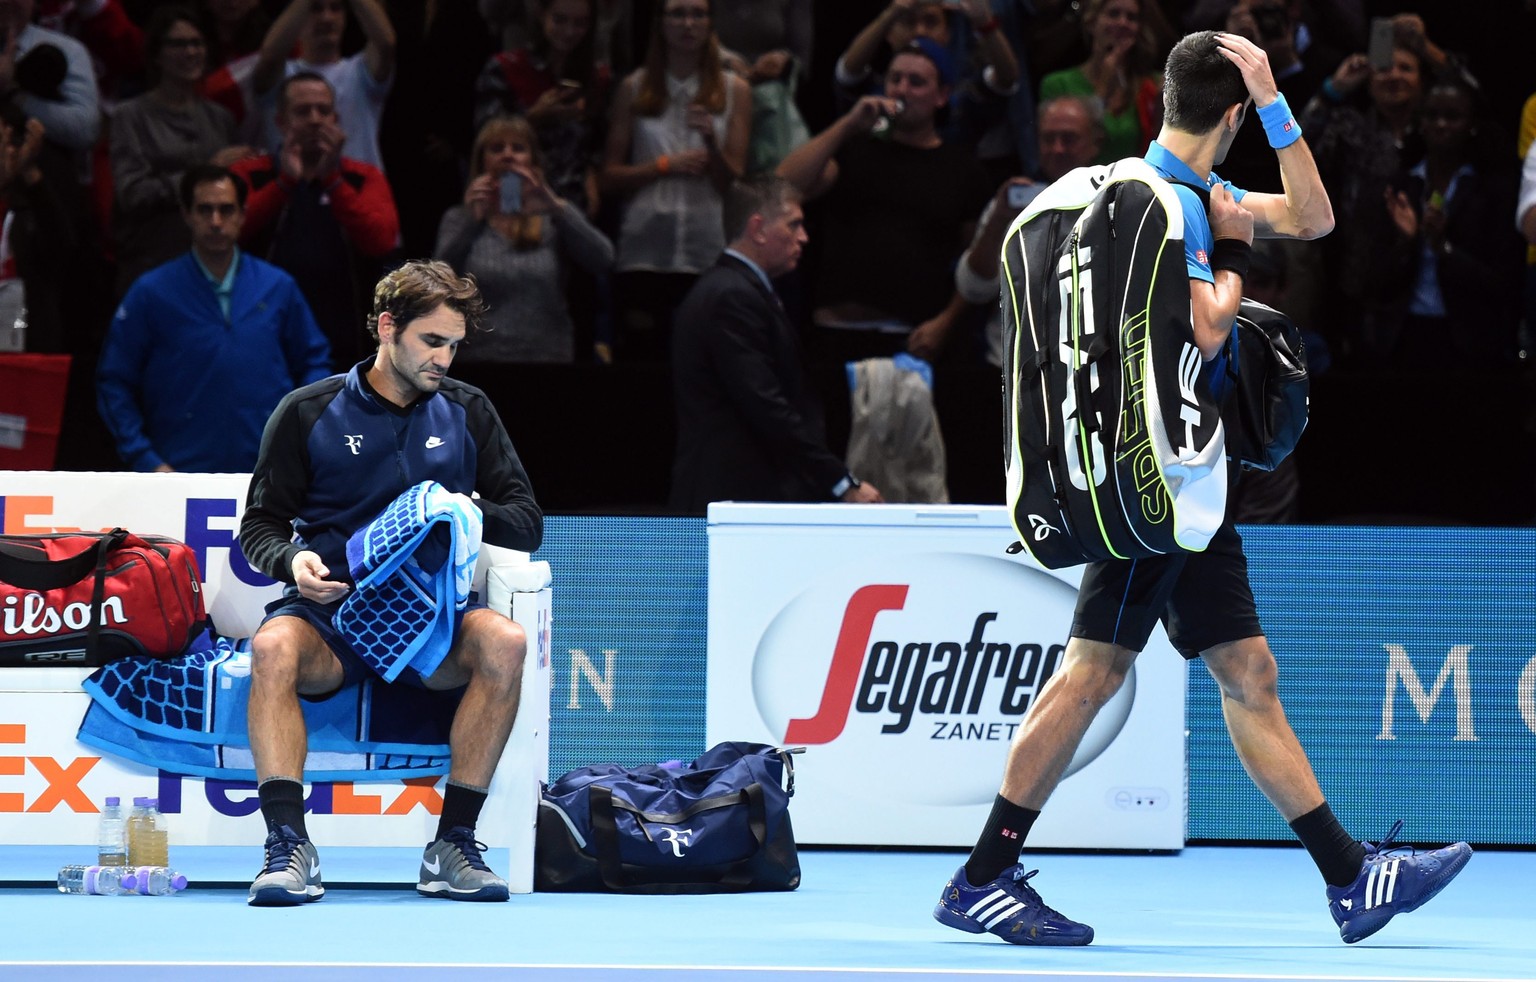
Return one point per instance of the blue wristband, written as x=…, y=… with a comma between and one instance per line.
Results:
x=1279, y=125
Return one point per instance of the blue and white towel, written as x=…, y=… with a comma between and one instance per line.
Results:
x=187, y=715
x=412, y=566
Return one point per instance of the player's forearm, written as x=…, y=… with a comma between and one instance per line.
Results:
x=1308, y=210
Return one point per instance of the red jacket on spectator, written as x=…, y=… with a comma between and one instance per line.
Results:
x=359, y=195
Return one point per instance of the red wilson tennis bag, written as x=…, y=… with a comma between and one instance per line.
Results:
x=87, y=598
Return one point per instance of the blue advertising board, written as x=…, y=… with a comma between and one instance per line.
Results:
x=1407, y=667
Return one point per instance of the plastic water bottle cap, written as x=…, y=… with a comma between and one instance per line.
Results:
x=179, y=882
x=113, y=802
x=140, y=802
x=130, y=882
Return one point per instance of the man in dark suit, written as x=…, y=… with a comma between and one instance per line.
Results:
x=749, y=426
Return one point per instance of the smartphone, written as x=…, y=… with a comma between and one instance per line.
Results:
x=1019, y=195
x=511, y=194
x=1383, y=41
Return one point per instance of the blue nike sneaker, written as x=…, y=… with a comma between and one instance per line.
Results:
x=1394, y=880
x=1008, y=907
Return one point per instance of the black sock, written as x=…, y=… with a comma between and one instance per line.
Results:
x=282, y=803
x=1337, y=854
x=1001, y=840
x=461, y=806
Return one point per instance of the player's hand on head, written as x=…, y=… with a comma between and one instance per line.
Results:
x=1251, y=60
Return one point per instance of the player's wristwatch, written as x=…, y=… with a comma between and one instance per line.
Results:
x=848, y=483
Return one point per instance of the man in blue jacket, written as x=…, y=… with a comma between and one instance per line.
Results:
x=204, y=347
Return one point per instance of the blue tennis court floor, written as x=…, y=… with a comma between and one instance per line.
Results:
x=1203, y=913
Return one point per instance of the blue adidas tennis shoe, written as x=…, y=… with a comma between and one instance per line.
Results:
x=1394, y=880
x=1009, y=908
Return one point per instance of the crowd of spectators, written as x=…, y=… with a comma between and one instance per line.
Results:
x=574, y=155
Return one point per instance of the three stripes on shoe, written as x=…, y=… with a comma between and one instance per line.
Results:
x=994, y=907
x=1380, y=884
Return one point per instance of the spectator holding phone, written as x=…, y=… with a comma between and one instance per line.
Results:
x=562, y=91
x=1362, y=127
x=676, y=140
x=517, y=237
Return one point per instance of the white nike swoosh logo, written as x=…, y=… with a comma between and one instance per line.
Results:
x=314, y=867
x=433, y=441
x=432, y=865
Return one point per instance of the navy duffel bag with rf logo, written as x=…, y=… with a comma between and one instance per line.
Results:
x=717, y=825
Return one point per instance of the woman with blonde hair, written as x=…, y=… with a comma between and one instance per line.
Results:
x=677, y=138
x=1127, y=42
x=515, y=236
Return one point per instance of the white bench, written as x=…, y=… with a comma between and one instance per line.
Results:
x=51, y=785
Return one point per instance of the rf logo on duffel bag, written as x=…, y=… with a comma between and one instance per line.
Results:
x=677, y=839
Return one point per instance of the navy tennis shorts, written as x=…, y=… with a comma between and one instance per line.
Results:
x=319, y=616
x=1202, y=598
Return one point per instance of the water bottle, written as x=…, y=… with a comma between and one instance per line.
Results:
x=102, y=881
x=112, y=837
x=157, y=881
x=147, y=839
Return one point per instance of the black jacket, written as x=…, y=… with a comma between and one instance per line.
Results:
x=749, y=426
x=334, y=455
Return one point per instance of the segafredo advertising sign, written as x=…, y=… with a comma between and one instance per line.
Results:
x=903, y=648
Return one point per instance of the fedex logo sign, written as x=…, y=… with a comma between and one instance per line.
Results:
x=204, y=523
x=238, y=799
x=61, y=779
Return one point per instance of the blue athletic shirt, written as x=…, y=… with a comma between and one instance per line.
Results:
x=334, y=454
x=1198, y=241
